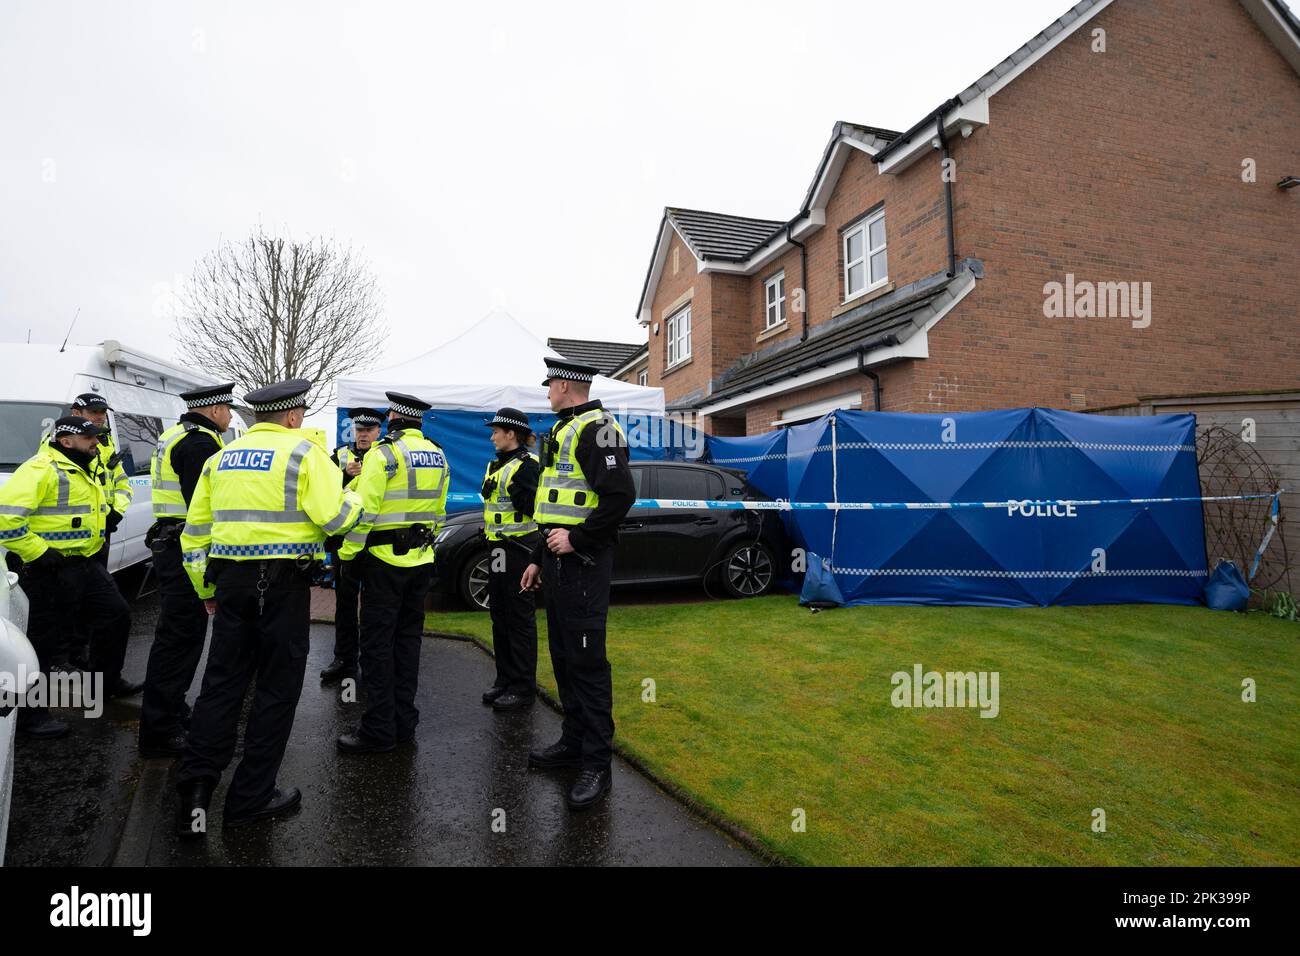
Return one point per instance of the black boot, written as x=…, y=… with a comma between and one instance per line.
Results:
x=121, y=687
x=590, y=786
x=511, y=701
x=492, y=693
x=282, y=801
x=338, y=669
x=195, y=797
x=37, y=724
x=359, y=743
x=555, y=756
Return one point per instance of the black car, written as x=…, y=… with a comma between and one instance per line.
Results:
x=732, y=550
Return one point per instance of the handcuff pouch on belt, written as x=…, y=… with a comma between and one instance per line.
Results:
x=402, y=540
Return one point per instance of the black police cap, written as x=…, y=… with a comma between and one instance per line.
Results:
x=407, y=405
x=209, y=395
x=72, y=425
x=365, y=416
x=280, y=396
x=92, y=401
x=510, y=418
x=572, y=371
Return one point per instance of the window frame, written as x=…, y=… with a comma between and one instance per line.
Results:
x=862, y=226
x=675, y=337
x=776, y=281
x=643, y=377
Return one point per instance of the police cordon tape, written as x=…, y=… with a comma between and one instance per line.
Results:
x=1011, y=505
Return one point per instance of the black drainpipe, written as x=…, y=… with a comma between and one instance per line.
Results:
x=947, y=194
x=875, y=379
x=803, y=269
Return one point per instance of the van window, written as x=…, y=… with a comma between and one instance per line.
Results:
x=21, y=427
x=137, y=440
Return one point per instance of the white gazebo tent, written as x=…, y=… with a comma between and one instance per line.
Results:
x=495, y=363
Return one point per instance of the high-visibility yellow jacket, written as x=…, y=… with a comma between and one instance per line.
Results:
x=500, y=519
x=52, y=502
x=116, y=482
x=272, y=493
x=403, y=482
x=168, y=499
x=564, y=496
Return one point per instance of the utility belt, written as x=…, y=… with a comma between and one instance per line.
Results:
x=546, y=529
x=164, y=533
x=298, y=571
x=403, y=540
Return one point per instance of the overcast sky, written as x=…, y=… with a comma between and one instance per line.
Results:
x=513, y=155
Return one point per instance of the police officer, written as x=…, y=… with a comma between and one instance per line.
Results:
x=403, y=489
x=365, y=429
x=52, y=521
x=256, y=524
x=584, y=491
x=182, y=625
x=509, y=492
x=94, y=408
x=108, y=469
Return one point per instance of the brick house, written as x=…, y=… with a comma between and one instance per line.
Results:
x=1118, y=221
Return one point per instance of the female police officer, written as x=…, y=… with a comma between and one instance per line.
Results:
x=509, y=494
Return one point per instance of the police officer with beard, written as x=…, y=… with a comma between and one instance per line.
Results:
x=349, y=458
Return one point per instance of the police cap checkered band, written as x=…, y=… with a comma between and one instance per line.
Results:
x=90, y=400
x=572, y=371
x=280, y=397
x=71, y=425
x=510, y=418
x=407, y=405
x=223, y=394
x=366, y=416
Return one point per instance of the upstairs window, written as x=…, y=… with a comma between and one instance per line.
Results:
x=865, y=265
x=679, y=337
x=643, y=377
x=774, y=297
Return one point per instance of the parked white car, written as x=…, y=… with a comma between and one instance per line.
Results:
x=37, y=385
x=17, y=662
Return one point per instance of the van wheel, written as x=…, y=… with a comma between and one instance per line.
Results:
x=473, y=583
x=748, y=570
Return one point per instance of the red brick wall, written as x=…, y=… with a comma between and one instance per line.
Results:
x=1116, y=166
x=694, y=376
x=1126, y=165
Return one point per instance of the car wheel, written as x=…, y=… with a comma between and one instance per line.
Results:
x=748, y=570
x=474, y=580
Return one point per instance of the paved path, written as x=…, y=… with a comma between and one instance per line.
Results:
x=432, y=803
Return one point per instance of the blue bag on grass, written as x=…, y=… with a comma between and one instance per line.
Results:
x=1227, y=590
x=819, y=587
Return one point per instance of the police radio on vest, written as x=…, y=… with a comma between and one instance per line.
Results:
x=246, y=459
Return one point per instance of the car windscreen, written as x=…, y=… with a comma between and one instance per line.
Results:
x=21, y=426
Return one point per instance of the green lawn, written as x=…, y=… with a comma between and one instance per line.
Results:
x=763, y=708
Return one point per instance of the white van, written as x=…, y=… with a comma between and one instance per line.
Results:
x=38, y=384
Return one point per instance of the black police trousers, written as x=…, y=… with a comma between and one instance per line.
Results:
x=577, y=603
x=392, y=620
x=514, y=616
x=346, y=630
x=267, y=642
x=77, y=590
x=177, y=646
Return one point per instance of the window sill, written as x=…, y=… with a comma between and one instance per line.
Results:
x=862, y=297
x=772, y=331
x=669, y=369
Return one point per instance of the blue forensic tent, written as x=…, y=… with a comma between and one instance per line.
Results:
x=498, y=362
x=1031, y=555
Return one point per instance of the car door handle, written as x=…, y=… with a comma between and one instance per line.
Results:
x=630, y=526
x=706, y=521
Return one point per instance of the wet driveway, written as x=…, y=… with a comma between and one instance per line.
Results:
x=461, y=795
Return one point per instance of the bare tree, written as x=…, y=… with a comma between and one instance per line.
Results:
x=270, y=308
